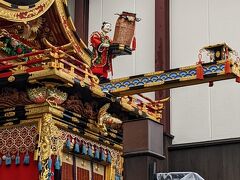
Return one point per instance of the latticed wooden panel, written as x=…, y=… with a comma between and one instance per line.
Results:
x=82, y=174
x=67, y=171
x=97, y=176
x=17, y=139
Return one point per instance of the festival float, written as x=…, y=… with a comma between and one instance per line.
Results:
x=58, y=120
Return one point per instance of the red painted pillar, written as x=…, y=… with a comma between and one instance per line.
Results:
x=162, y=52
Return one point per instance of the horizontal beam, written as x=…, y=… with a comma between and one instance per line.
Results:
x=173, y=78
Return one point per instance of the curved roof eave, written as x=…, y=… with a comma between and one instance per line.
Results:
x=15, y=13
x=70, y=31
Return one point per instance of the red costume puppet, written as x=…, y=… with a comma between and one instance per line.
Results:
x=102, y=61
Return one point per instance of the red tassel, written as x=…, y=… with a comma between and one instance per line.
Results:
x=210, y=83
x=238, y=79
x=134, y=43
x=200, y=71
x=227, y=67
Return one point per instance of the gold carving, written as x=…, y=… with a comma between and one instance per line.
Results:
x=97, y=90
x=45, y=145
x=11, y=79
x=104, y=119
x=236, y=69
x=9, y=109
x=153, y=73
x=119, y=79
x=11, y=97
x=8, y=124
x=50, y=143
x=187, y=67
x=188, y=78
x=24, y=15
x=218, y=54
x=222, y=61
x=37, y=110
x=9, y=114
x=154, y=84
x=120, y=90
x=153, y=109
x=74, y=119
x=47, y=94
x=121, y=46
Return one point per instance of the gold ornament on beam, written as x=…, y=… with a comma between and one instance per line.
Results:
x=30, y=29
x=43, y=94
x=50, y=144
x=104, y=119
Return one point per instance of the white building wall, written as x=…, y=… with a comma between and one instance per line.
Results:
x=200, y=113
x=143, y=59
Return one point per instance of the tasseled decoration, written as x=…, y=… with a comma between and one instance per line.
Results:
x=39, y=166
x=117, y=177
x=26, y=159
x=17, y=159
x=109, y=157
x=49, y=163
x=103, y=158
x=8, y=160
x=68, y=144
x=84, y=150
x=227, y=67
x=57, y=164
x=199, y=71
x=76, y=147
x=96, y=153
x=134, y=43
x=90, y=150
x=210, y=84
x=238, y=79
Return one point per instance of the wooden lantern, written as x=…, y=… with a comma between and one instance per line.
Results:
x=124, y=33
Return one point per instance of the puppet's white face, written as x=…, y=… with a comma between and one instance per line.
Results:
x=107, y=28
